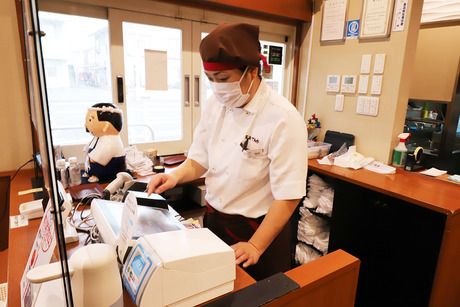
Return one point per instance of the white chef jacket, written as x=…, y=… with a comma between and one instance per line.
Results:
x=274, y=165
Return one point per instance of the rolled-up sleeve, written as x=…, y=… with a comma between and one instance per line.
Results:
x=288, y=158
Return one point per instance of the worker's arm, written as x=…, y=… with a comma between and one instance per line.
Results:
x=188, y=171
x=278, y=215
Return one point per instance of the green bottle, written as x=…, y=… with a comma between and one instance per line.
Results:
x=400, y=151
x=426, y=111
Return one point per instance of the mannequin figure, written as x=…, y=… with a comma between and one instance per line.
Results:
x=105, y=153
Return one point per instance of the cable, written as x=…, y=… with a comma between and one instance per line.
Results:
x=17, y=171
x=82, y=224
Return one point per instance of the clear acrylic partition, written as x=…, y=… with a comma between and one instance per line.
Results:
x=49, y=243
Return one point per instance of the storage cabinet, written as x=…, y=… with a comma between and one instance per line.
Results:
x=397, y=242
x=405, y=229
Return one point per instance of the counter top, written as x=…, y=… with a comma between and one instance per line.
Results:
x=433, y=193
x=21, y=241
x=336, y=272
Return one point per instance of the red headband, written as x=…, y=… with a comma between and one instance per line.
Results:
x=217, y=66
x=265, y=63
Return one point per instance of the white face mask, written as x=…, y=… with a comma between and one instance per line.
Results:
x=229, y=93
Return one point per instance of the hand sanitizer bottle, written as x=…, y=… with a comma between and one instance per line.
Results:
x=400, y=151
x=74, y=170
x=63, y=173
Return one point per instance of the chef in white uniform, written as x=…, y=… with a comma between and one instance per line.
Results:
x=251, y=145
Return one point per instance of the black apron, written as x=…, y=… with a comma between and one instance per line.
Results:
x=278, y=257
x=108, y=172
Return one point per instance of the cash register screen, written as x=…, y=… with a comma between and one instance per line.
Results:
x=150, y=220
x=137, y=272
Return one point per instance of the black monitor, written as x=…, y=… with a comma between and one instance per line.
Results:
x=41, y=128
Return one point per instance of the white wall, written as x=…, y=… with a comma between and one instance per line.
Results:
x=375, y=136
x=436, y=62
x=15, y=133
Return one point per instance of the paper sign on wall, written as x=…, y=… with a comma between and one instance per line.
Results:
x=333, y=20
x=400, y=15
x=352, y=29
x=156, y=70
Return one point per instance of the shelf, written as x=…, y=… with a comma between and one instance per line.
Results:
x=425, y=120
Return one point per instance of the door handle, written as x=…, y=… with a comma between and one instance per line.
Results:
x=120, y=94
x=187, y=90
x=196, y=100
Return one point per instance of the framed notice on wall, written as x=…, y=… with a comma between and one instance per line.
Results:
x=333, y=21
x=376, y=18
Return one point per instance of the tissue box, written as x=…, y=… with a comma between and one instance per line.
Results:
x=317, y=150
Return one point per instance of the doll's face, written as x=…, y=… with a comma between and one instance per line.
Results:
x=98, y=128
x=91, y=121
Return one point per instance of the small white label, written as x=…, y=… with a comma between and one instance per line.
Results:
x=339, y=103
x=376, y=87
x=363, y=84
x=374, y=106
x=379, y=64
x=366, y=60
x=366, y=105
x=17, y=221
x=360, y=104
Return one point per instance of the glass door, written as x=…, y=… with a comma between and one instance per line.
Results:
x=147, y=64
x=201, y=87
x=151, y=54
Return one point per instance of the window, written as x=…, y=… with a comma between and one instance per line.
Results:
x=84, y=56
x=77, y=70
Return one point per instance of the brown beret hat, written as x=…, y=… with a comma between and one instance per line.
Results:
x=233, y=45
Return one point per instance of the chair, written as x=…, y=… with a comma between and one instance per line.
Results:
x=337, y=139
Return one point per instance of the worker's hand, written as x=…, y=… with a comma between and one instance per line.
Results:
x=161, y=182
x=246, y=253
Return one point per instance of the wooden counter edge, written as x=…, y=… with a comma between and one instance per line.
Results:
x=324, y=267
x=330, y=281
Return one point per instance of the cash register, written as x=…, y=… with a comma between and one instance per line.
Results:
x=167, y=264
x=179, y=268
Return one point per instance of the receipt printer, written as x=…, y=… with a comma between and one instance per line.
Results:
x=180, y=268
